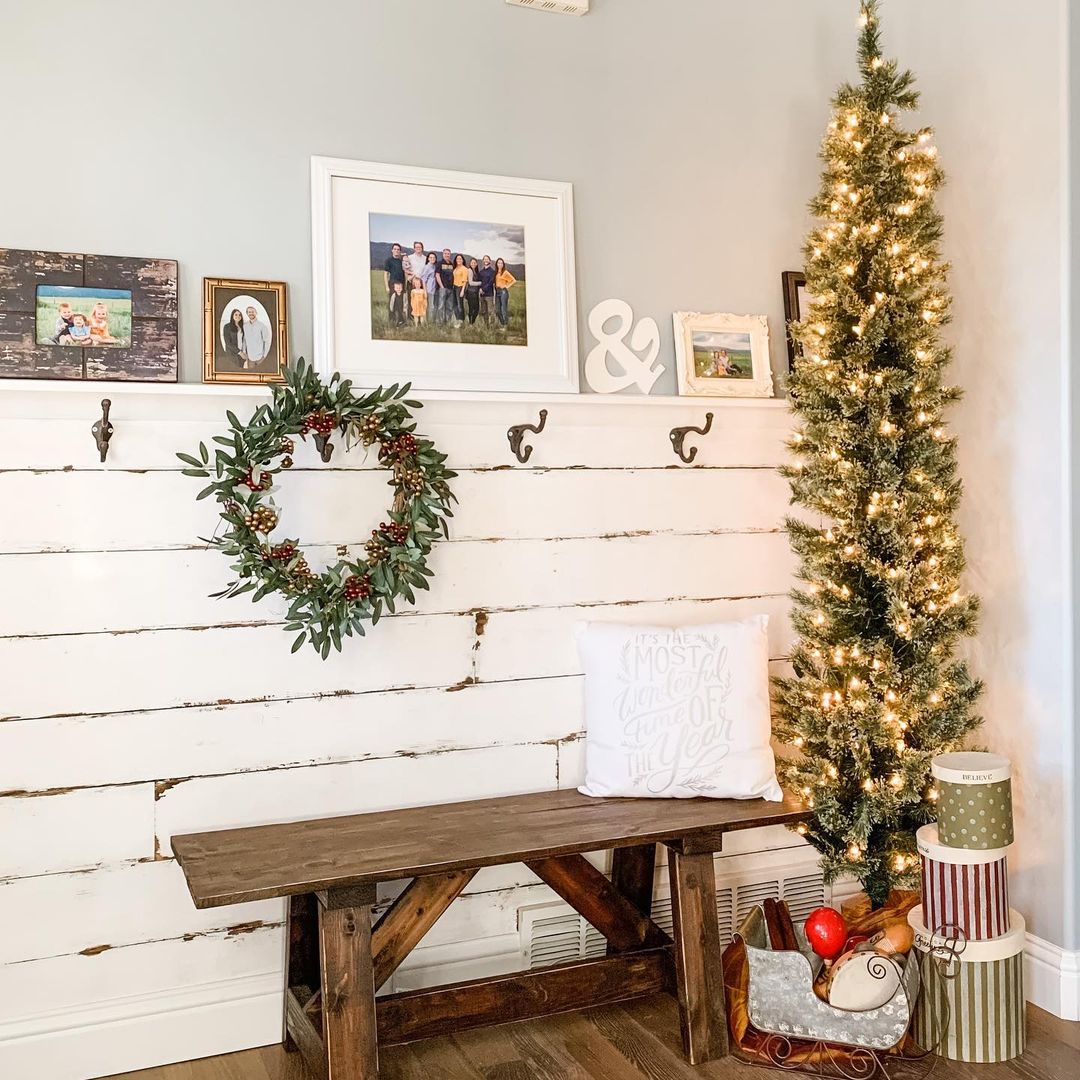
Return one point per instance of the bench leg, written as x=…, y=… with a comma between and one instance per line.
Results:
x=698, y=974
x=301, y=954
x=632, y=870
x=348, y=987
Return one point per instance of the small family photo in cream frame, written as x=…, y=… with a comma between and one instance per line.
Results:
x=723, y=355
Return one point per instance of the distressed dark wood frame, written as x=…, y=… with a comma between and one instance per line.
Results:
x=337, y=960
x=210, y=332
x=793, y=281
x=154, y=285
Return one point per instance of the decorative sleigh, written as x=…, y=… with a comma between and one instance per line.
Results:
x=778, y=1021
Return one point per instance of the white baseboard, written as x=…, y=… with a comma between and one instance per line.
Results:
x=138, y=1032
x=1052, y=978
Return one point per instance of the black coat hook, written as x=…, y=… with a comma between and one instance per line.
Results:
x=324, y=446
x=678, y=435
x=517, y=433
x=103, y=430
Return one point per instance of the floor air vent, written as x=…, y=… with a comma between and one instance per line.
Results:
x=555, y=934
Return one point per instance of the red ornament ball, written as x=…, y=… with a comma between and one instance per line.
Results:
x=826, y=932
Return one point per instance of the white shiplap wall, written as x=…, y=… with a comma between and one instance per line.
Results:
x=134, y=707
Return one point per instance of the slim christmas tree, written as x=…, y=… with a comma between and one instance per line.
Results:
x=877, y=690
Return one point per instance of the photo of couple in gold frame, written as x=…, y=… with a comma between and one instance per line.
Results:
x=245, y=331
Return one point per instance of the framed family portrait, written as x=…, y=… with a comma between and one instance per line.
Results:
x=245, y=331
x=796, y=309
x=723, y=355
x=87, y=317
x=451, y=281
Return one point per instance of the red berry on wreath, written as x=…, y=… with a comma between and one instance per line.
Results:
x=358, y=588
x=264, y=482
x=397, y=448
x=397, y=532
x=320, y=423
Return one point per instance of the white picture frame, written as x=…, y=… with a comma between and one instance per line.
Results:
x=730, y=338
x=350, y=200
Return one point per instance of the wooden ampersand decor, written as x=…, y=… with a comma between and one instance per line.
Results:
x=636, y=362
x=337, y=603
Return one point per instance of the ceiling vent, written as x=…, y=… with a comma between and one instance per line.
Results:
x=556, y=934
x=559, y=7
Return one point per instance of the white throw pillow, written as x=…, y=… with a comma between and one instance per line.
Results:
x=678, y=713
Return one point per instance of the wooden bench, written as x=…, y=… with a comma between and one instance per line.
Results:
x=336, y=961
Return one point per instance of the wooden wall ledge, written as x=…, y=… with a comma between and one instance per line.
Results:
x=228, y=390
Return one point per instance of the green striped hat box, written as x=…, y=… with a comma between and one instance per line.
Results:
x=978, y=1015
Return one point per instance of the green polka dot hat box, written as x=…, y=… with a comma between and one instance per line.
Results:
x=975, y=800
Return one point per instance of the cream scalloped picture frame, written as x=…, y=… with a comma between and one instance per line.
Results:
x=691, y=325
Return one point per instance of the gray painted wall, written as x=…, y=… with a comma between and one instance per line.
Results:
x=994, y=87
x=691, y=167
x=689, y=130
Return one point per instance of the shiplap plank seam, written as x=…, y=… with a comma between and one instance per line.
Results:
x=488, y=609
x=221, y=932
x=110, y=591
x=165, y=784
x=341, y=506
x=227, y=703
x=627, y=534
x=102, y=867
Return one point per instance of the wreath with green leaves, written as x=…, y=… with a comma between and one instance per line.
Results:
x=326, y=607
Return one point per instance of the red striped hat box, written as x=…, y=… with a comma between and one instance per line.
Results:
x=963, y=887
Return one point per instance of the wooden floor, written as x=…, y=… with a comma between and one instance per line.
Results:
x=638, y=1041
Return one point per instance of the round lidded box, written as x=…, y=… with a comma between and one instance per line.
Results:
x=963, y=888
x=977, y=1014
x=974, y=801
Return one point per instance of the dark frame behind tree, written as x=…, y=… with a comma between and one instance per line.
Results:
x=794, y=280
